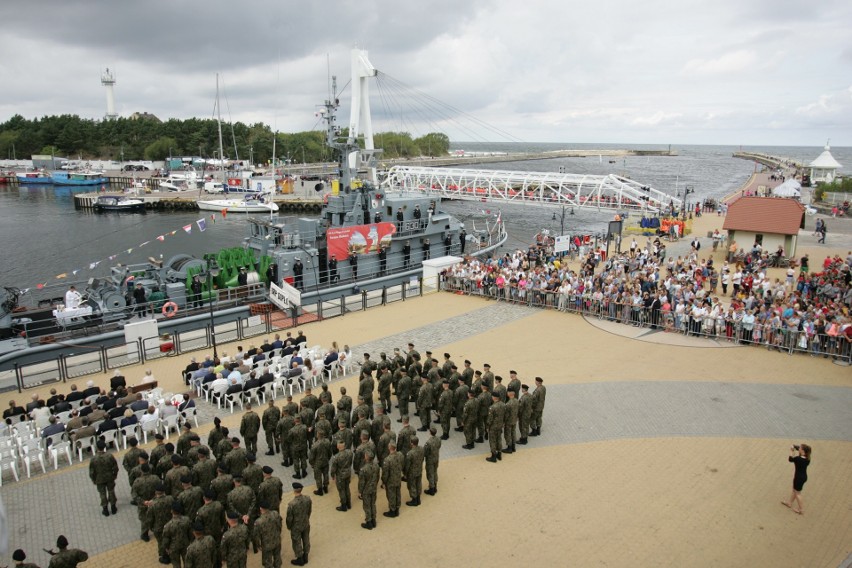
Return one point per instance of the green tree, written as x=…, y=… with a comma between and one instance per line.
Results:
x=161, y=148
x=433, y=144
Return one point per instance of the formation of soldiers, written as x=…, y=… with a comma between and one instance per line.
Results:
x=208, y=504
x=63, y=557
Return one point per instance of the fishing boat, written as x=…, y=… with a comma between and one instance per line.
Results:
x=40, y=177
x=119, y=203
x=78, y=178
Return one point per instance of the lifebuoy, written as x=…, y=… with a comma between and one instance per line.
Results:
x=170, y=309
x=325, y=198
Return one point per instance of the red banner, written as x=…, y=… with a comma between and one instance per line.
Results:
x=360, y=239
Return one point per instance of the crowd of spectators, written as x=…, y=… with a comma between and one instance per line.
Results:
x=804, y=311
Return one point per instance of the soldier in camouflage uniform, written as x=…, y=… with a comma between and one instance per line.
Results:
x=385, y=383
x=236, y=458
x=404, y=436
x=524, y=413
x=103, y=471
x=223, y=484
x=195, y=448
x=271, y=489
x=377, y=426
x=344, y=406
x=425, y=402
x=484, y=399
x=269, y=421
x=212, y=515
x=368, y=481
x=19, y=556
x=414, y=472
x=299, y=525
x=366, y=386
x=137, y=471
x=184, y=440
x=500, y=389
x=282, y=435
x=242, y=500
x=177, y=535
x=385, y=439
x=322, y=424
x=267, y=536
x=403, y=393
x=341, y=472
x=158, y=451
x=216, y=435
x=514, y=384
x=538, y=406
x=249, y=428
x=253, y=473
x=223, y=446
x=445, y=408
x=165, y=463
x=470, y=419
x=487, y=377
x=343, y=433
x=175, y=474
x=297, y=439
x=319, y=460
x=143, y=490
x=191, y=498
x=204, y=470
x=233, y=550
x=66, y=558
x=131, y=457
x=160, y=513
x=366, y=446
x=202, y=551
x=459, y=400
x=496, y=416
x=467, y=374
x=432, y=455
x=392, y=479
x=510, y=421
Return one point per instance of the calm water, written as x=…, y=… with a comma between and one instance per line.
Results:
x=43, y=235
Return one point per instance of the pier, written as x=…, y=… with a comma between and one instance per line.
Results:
x=769, y=161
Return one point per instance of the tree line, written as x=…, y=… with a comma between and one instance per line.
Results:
x=149, y=139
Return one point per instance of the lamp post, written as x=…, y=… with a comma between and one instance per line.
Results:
x=212, y=272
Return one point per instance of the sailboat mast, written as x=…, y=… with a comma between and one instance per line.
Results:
x=219, y=123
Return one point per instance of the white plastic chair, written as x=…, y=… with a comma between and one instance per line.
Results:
x=268, y=391
x=232, y=399
x=60, y=448
x=190, y=413
x=83, y=444
x=346, y=365
x=76, y=404
x=31, y=452
x=110, y=437
x=170, y=423
x=253, y=395
x=152, y=427
x=333, y=369
x=129, y=432
x=63, y=416
x=8, y=460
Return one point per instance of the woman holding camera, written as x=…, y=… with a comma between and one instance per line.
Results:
x=800, y=456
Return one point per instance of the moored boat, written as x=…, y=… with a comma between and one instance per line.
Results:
x=78, y=178
x=119, y=203
x=34, y=177
x=246, y=205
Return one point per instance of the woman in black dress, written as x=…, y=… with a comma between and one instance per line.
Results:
x=800, y=456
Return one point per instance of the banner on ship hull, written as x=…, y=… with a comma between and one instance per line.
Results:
x=359, y=239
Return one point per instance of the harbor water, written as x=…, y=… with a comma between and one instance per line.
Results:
x=45, y=236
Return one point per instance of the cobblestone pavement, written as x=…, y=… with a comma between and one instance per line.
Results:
x=67, y=503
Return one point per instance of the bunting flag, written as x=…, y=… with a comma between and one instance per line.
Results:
x=94, y=265
x=129, y=250
x=39, y=286
x=161, y=238
x=173, y=233
x=74, y=272
x=63, y=275
x=202, y=224
x=143, y=244
x=224, y=213
x=112, y=257
x=213, y=217
x=188, y=228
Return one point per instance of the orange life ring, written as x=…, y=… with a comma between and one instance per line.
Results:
x=325, y=198
x=170, y=309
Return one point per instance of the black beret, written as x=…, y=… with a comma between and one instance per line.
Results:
x=263, y=504
x=133, y=442
x=187, y=425
x=467, y=361
x=170, y=447
x=19, y=555
x=186, y=479
x=251, y=457
x=176, y=458
x=297, y=485
x=204, y=451
x=210, y=494
x=198, y=526
x=233, y=515
x=267, y=469
x=513, y=372
x=525, y=387
x=161, y=487
x=446, y=381
x=486, y=365
x=238, y=478
x=495, y=394
x=235, y=440
x=101, y=445
x=177, y=507
x=159, y=437
x=62, y=542
x=145, y=468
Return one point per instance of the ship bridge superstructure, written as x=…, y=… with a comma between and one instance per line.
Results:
x=582, y=191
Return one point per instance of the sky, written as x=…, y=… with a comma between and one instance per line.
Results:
x=738, y=72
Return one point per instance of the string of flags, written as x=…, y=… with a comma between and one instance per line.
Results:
x=200, y=224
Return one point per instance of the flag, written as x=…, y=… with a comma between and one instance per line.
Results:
x=188, y=228
x=39, y=286
x=92, y=265
x=143, y=244
x=63, y=275
x=173, y=233
x=213, y=217
x=112, y=257
x=74, y=272
x=161, y=238
x=224, y=213
x=202, y=224
x=129, y=250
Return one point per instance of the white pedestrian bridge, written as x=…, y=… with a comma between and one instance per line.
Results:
x=581, y=191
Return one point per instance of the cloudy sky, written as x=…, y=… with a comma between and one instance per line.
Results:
x=749, y=72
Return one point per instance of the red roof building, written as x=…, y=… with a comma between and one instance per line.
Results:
x=770, y=221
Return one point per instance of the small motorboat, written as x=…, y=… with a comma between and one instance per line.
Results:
x=119, y=203
x=247, y=205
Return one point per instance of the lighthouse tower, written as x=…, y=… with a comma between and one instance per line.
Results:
x=108, y=81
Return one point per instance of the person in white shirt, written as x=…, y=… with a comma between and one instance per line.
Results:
x=150, y=416
x=220, y=385
x=72, y=299
x=148, y=378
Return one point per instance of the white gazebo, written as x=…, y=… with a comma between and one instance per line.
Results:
x=824, y=168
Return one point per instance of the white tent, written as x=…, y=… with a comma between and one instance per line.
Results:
x=790, y=188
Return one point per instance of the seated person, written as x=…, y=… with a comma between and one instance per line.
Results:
x=267, y=376
x=102, y=398
x=74, y=395
x=277, y=344
x=253, y=382
x=235, y=376
x=91, y=390
x=111, y=401
x=53, y=427
x=266, y=347
x=300, y=338
x=129, y=419
x=106, y=425
x=295, y=370
x=117, y=381
x=76, y=421
x=168, y=409
x=40, y=414
x=139, y=404
x=234, y=387
x=208, y=362
x=240, y=354
x=96, y=414
x=330, y=358
x=148, y=378
x=258, y=357
x=296, y=358
x=54, y=398
x=220, y=385
x=84, y=431
x=187, y=403
x=117, y=411
x=86, y=408
x=152, y=415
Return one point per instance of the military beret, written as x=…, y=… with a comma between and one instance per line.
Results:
x=365, y=433
x=477, y=373
x=198, y=526
x=453, y=367
x=428, y=353
x=238, y=478
x=525, y=387
x=177, y=507
x=539, y=380
x=447, y=355
x=62, y=542
x=160, y=487
x=186, y=479
x=235, y=440
x=513, y=372
x=210, y=494
x=144, y=455
x=446, y=381
x=467, y=361
x=133, y=442
x=145, y=468
x=233, y=515
x=159, y=437
x=176, y=458
x=267, y=470
x=223, y=467
x=495, y=394
x=204, y=451
x=486, y=365
x=264, y=504
x=297, y=485
x=411, y=345
x=366, y=355
x=383, y=354
x=101, y=445
x=187, y=426
x=170, y=447
x=19, y=555
x=195, y=438
x=251, y=457
x=498, y=378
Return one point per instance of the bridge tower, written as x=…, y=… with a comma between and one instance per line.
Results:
x=360, y=121
x=108, y=81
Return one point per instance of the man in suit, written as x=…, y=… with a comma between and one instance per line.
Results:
x=277, y=344
x=74, y=395
x=139, y=403
x=91, y=390
x=117, y=381
x=266, y=346
x=106, y=425
x=252, y=382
